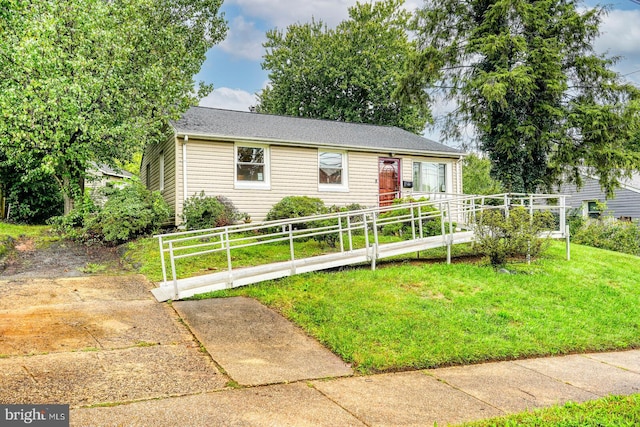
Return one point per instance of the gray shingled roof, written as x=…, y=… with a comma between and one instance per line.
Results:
x=214, y=122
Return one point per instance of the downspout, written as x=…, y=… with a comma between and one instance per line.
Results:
x=184, y=169
x=459, y=173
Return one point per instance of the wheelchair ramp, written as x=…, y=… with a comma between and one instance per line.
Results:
x=359, y=237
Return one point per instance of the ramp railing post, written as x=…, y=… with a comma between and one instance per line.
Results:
x=531, y=206
x=162, y=261
x=442, y=229
x=568, y=241
x=450, y=239
x=229, y=265
x=349, y=232
x=413, y=223
x=340, y=233
x=365, y=227
x=173, y=271
x=291, y=251
x=563, y=215
x=506, y=205
x=374, y=253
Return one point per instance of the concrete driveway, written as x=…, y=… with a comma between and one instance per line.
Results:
x=95, y=340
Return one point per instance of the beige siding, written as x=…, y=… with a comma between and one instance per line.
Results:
x=152, y=157
x=293, y=171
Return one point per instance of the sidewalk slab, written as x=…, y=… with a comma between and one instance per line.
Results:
x=629, y=360
x=511, y=387
x=255, y=345
x=586, y=373
x=280, y=405
x=86, y=378
x=404, y=399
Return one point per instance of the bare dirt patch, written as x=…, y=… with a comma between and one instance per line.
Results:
x=59, y=259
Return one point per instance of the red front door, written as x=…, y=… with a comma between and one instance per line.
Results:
x=389, y=180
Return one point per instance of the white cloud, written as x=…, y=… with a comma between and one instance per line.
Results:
x=282, y=13
x=243, y=40
x=229, y=99
x=619, y=37
x=620, y=33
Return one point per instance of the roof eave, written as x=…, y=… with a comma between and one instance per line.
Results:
x=228, y=138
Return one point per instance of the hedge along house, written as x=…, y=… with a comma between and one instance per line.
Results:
x=257, y=159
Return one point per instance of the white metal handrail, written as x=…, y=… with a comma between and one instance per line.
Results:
x=344, y=226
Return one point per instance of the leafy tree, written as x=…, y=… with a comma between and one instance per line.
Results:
x=95, y=80
x=524, y=73
x=349, y=73
x=30, y=197
x=476, y=176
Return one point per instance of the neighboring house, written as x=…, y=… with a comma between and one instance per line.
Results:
x=99, y=174
x=257, y=159
x=625, y=204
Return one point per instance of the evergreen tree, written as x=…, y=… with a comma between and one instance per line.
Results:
x=545, y=106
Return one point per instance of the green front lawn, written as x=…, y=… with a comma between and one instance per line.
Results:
x=420, y=315
x=614, y=411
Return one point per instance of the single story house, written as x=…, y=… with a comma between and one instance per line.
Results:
x=590, y=198
x=257, y=159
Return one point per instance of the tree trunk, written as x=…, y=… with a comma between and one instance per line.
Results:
x=70, y=192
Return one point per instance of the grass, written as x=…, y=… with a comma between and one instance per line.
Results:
x=93, y=268
x=16, y=231
x=420, y=315
x=9, y=233
x=145, y=254
x=613, y=411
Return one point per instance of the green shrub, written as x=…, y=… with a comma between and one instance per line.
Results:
x=129, y=211
x=303, y=206
x=430, y=226
x=296, y=207
x=201, y=212
x=499, y=236
x=575, y=220
x=332, y=239
x=611, y=234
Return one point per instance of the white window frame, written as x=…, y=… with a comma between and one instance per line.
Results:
x=265, y=184
x=343, y=187
x=448, y=176
x=593, y=214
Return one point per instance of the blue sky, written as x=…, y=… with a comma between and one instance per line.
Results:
x=233, y=66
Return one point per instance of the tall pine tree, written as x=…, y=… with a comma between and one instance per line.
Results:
x=544, y=105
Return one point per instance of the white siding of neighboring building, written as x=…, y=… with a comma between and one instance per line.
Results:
x=293, y=172
x=152, y=157
x=625, y=204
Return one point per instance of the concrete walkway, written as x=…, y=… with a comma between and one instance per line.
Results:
x=287, y=379
x=419, y=398
x=102, y=345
